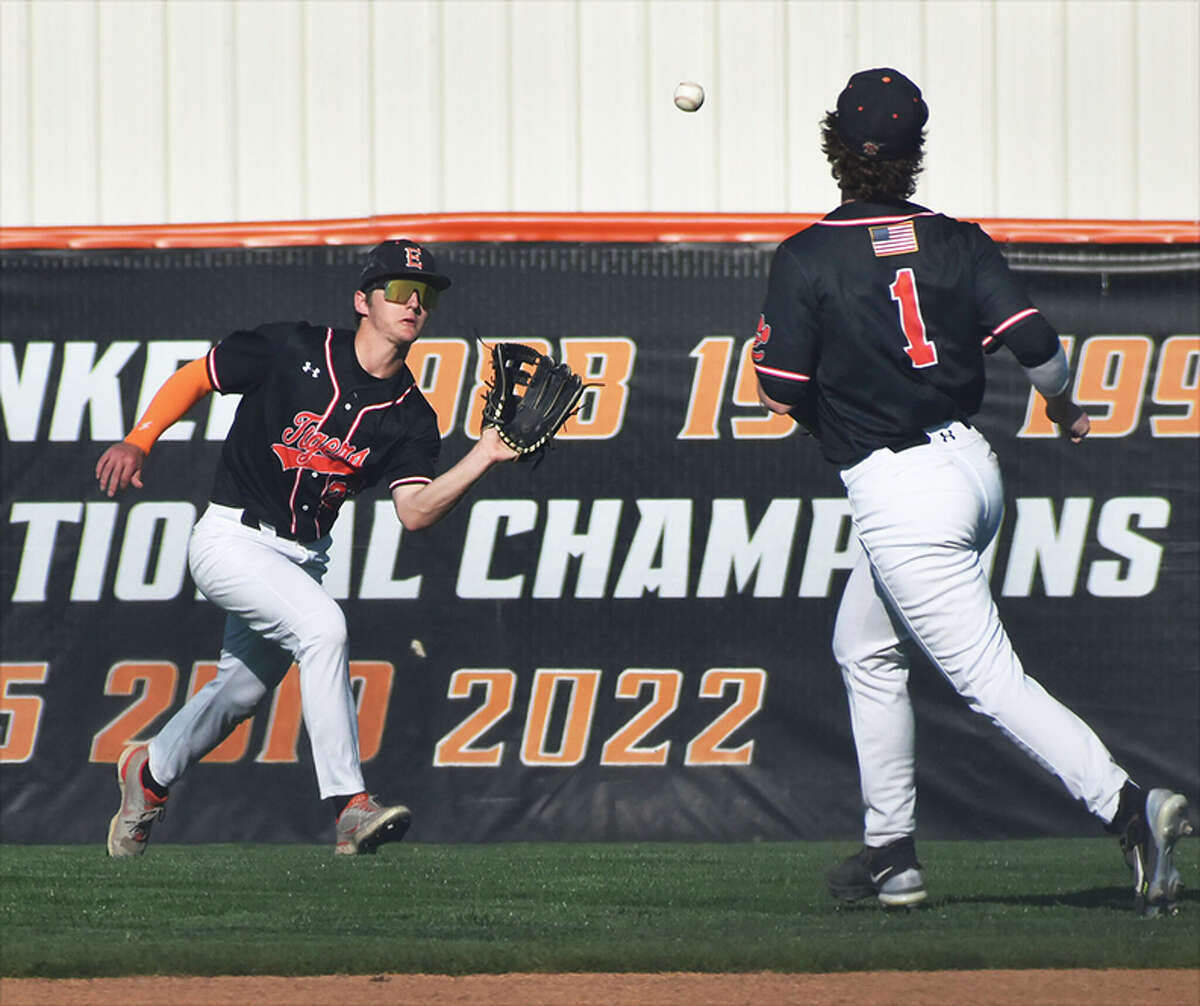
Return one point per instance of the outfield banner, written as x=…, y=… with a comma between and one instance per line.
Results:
x=628, y=641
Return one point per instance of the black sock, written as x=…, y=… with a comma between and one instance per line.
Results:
x=1131, y=806
x=339, y=804
x=149, y=782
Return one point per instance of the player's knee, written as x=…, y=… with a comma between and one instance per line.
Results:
x=243, y=694
x=851, y=649
x=858, y=674
x=844, y=641
x=884, y=667
x=843, y=650
x=994, y=691
x=326, y=632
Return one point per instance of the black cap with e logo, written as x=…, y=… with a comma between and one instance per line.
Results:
x=401, y=257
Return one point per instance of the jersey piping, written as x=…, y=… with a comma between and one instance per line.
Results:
x=878, y=352
x=337, y=393
x=872, y=221
x=212, y=370
x=785, y=375
x=410, y=480
x=1009, y=322
x=989, y=340
x=316, y=440
x=349, y=438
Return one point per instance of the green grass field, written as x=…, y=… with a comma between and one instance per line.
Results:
x=68, y=911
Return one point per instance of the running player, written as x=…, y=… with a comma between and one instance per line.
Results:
x=325, y=414
x=872, y=336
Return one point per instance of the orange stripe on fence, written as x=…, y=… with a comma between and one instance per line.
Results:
x=569, y=227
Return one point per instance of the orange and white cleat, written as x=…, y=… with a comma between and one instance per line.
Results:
x=364, y=825
x=129, y=830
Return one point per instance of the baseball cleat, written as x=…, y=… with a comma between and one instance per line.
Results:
x=1149, y=846
x=890, y=873
x=364, y=825
x=129, y=830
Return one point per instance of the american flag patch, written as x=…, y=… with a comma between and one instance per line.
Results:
x=894, y=239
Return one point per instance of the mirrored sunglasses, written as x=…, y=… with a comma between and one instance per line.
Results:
x=399, y=290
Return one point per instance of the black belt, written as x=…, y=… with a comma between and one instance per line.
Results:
x=916, y=440
x=259, y=524
x=920, y=439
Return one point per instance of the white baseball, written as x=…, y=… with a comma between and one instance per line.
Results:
x=689, y=96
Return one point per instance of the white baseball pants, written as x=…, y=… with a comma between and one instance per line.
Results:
x=278, y=612
x=924, y=517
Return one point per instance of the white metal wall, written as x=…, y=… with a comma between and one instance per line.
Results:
x=166, y=111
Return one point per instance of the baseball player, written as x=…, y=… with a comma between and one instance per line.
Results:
x=873, y=334
x=324, y=415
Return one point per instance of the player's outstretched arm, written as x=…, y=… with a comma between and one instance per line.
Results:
x=121, y=465
x=419, y=507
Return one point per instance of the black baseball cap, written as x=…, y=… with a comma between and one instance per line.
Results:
x=401, y=257
x=880, y=114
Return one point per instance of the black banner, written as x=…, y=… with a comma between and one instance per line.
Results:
x=629, y=641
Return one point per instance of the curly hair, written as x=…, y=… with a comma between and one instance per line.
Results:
x=862, y=177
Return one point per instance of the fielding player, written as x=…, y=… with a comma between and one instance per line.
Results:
x=324, y=415
x=873, y=335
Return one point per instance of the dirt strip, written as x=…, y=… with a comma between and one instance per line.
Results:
x=900, y=988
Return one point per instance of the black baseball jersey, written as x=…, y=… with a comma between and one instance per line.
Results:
x=876, y=322
x=313, y=427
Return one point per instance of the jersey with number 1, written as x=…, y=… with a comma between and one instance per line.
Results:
x=878, y=318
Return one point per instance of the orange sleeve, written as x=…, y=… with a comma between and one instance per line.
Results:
x=179, y=392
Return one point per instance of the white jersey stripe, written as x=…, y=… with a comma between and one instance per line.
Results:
x=292, y=498
x=211, y=366
x=786, y=375
x=410, y=480
x=1019, y=316
x=337, y=393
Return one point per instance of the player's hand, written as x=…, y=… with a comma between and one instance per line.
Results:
x=497, y=449
x=120, y=467
x=1073, y=421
